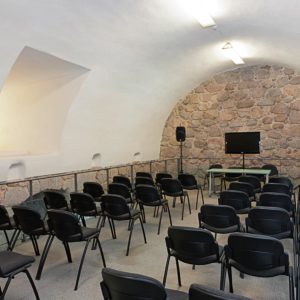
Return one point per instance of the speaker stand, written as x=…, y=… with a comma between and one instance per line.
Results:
x=181, y=169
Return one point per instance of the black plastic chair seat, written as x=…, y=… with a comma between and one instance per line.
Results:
x=176, y=295
x=93, y=212
x=229, y=229
x=155, y=203
x=281, y=235
x=134, y=214
x=12, y=263
x=8, y=225
x=41, y=230
x=177, y=194
x=258, y=273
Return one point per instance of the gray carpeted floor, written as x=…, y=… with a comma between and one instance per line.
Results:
x=58, y=278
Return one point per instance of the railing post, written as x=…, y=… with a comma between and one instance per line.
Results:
x=30, y=189
x=75, y=182
x=131, y=174
x=107, y=179
x=166, y=165
x=150, y=167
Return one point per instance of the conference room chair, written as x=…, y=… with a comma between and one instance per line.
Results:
x=55, y=200
x=115, y=208
x=121, y=190
x=238, y=200
x=148, y=195
x=119, y=285
x=84, y=205
x=11, y=264
x=160, y=176
x=229, y=177
x=95, y=189
x=214, y=176
x=7, y=223
x=29, y=222
x=143, y=174
x=272, y=221
x=219, y=219
x=287, y=181
x=272, y=168
x=189, y=182
x=201, y=292
x=243, y=187
x=193, y=246
x=278, y=200
x=172, y=187
x=144, y=180
x=252, y=180
x=257, y=255
x=65, y=226
x=124, y=180
x=276, y=188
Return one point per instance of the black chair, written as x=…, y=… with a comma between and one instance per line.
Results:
x=30, y=222
x=55, y=200
x=121, y=190
x=201, y=292
x=172, y=187
x=144, y=180
x=272, y=221
x=277, y=200
x=84, y=205
x=189, y=182
x=219, y=219
x=7, y=223
x=65, y=226
x=193, y=246
x=11, y=264
x=95, y=189
x=273, y=168
x=276, y=188
x=124, y=180
x=238, y=200
x=115, y=207
x=143, y=174
x=118, y=285
x=160, y=176
x=287, y=181
x=214, y=176
x=148, y=195
x=257, y=255
x=252, y=180
x=229, y=177
x=243, y=187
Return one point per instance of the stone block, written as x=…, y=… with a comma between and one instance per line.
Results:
x=294, y=117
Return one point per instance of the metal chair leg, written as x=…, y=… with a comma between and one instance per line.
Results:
x=143, y=230
x=5, y=288
x=81, y=263
x=169, y=213
x=161, y=214
x=68, y=252
x=32, y=284
x=178, y=272
x=129, y=239
x=230, y=278
x=166, y=271
x=101, y=251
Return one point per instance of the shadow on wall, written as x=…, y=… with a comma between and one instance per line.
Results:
x=137, y=157
x=96, y=160
x=16, y=171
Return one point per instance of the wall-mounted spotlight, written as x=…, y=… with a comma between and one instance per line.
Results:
x=230, y=52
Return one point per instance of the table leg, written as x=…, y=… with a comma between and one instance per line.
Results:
x=267, y=178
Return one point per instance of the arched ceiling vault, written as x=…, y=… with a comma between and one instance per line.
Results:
x=143, y=56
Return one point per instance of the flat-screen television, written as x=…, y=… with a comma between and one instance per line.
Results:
x=242, y=142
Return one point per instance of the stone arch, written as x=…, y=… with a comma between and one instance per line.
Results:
x=263, y=98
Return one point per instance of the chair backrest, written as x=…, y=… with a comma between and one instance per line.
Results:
x=233, y=175
x=191, y=244
x=256, y=252
x=216, y=166
x=64, y=224
x=95, y=189
x=236, y=199
x=144, y=180
x=200, y=292
x=82, y=202
x=55, y=200
x=283, y=180
x=252, y=180
x=143, y=174
x=218, y=216
x=171, y=186
x=114, y=205
x=273, y=168
x=118, y=285
x=27, y=219
x=119, y=189
x=4, y=216
x=276, y=200
x=122, y=179
x=269, y=220
x=243, y=187
x=187, y=180
x=276, y=188
x=147, y=193
x=160, y=176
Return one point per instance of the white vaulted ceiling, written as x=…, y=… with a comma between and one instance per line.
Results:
x=142, y=57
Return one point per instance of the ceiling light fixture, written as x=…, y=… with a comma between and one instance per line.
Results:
x=197, y=9
x=230, y=52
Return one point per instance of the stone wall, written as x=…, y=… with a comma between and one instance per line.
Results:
x=257, y=98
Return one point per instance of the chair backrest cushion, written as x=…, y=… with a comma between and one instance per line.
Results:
x=95, y=189
x=236, y=199
x=147, y=193
x=114, y=205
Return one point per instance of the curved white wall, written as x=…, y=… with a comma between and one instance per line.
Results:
x=142, y=56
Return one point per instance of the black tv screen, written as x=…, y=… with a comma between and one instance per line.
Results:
x=242, y=142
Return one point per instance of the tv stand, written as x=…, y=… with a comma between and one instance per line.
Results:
x=243, y=160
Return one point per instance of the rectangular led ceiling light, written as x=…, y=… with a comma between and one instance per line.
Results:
x=232, y=54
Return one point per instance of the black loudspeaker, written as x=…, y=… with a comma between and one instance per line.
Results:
x=180, y=134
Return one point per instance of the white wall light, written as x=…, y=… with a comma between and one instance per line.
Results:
x=232, y=54
x=197, y=9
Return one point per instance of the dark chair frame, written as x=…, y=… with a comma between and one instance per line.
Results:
x=7, y=223
x=237, y=199
x=55, y=200
x=95, y=189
